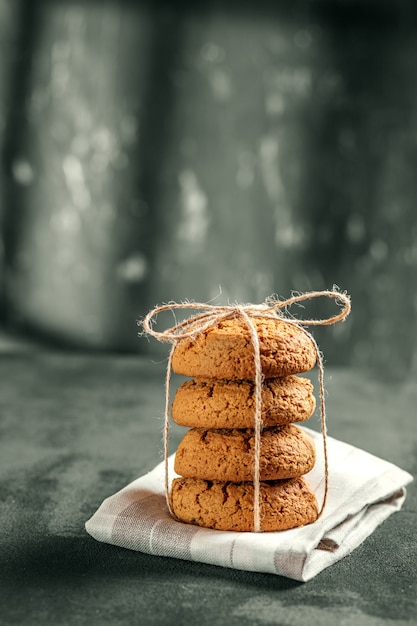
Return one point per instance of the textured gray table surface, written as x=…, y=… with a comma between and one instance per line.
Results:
x=74, y=429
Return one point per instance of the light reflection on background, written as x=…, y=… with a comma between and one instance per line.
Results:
x=154, y=152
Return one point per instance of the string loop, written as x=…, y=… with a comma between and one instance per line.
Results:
x=211, y=315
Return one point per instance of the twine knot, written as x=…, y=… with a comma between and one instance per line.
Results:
x=212, y=315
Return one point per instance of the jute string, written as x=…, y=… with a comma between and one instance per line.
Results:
x=212, y=315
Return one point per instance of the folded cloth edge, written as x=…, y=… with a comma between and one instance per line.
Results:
x=305, y=564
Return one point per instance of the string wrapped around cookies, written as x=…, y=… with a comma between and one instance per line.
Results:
x=255, y=342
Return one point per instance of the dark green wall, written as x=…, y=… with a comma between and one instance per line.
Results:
x=158, y=151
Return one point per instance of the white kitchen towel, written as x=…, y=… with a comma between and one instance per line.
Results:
x=363, y=491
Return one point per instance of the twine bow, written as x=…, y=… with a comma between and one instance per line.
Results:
x=214, y=314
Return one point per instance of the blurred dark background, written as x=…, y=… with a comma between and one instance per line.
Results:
x=156, y=151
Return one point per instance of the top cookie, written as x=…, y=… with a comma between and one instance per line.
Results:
x=226, y=351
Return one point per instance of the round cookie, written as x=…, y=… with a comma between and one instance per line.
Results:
x=229, y=506
x=218, y=403
x=226, y=351
x=228, y=455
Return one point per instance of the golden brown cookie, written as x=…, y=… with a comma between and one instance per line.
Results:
x=228, y=455
x=226, y=351
x=229, y=506
x=217, y=403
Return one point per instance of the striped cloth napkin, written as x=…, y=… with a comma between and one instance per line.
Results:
x=363, y=491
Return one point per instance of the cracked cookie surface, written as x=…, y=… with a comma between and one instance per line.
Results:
x=220, y=505
x=217, y=403
x=228, y=454
x=226, y=351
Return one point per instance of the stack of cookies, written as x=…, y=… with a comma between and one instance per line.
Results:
x=215, y=459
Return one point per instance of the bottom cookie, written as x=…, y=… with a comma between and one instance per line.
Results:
x=229, y=506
